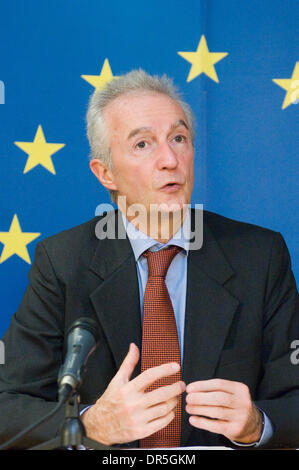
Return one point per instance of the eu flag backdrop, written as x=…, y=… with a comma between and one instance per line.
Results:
x=236, y=63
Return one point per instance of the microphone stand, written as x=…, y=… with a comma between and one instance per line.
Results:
x=72, y=432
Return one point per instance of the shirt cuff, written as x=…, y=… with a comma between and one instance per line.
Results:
x=81, y=447
x=84, y=409
x=267, y=433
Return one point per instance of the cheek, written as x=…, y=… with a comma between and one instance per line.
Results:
x=189, y=162
x=135, y=181
x=137, y=178
x=141, y=175
x=186, y=166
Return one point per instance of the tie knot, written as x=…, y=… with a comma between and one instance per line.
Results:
x=159, y=261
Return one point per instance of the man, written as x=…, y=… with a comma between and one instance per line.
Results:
x=234, y=299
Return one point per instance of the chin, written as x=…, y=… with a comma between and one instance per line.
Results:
x=171, y=205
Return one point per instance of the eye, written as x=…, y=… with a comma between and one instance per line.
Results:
x=141, y=145
x=180, y=138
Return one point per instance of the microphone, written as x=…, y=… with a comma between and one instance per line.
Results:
x=82, y=340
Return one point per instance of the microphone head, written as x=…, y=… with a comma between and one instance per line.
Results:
x=82, y=339
x=88, y=324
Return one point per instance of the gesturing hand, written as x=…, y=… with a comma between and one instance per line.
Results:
x=229, y=404
x=125, y=412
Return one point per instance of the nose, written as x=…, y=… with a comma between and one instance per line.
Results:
x=167, y=158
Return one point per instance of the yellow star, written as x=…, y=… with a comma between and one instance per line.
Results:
x=291, y=85
x=203, y=60
x=39, y=152
x=99, y=81
x=15, y=241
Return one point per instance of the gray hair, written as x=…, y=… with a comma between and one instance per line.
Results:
x=134, y=81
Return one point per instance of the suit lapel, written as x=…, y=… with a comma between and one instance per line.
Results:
x=116, y=298
x=209, y=312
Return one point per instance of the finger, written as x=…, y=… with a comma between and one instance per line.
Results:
x=210, y=399
x=128, y=365
x=213, y=412
x=212, y=385
x=162, y=394
x=158, y=424
x=212, y=425
x=151, y=375
x=161, y=409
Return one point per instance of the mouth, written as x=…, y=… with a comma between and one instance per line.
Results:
x=171, y=187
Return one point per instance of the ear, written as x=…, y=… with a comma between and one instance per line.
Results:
x=103, y=174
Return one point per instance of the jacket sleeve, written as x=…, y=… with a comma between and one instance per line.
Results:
x=278, y=392
x=33, y=355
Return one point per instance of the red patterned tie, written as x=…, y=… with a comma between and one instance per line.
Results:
x=160, y=339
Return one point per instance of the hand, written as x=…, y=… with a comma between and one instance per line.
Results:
x=229, y=405
x=125, y=412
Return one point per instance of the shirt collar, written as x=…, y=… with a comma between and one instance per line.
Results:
x=141, y=242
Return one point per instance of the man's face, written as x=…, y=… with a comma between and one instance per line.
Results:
x=151, y=148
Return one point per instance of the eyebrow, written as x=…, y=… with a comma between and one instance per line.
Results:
x=173, y=126
x=178, y=123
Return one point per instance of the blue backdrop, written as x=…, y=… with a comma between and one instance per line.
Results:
x=236, y=63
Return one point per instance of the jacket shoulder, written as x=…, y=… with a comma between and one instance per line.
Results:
x=222, y=226
x=244, y=239
x=74, y=234
x=74, y=244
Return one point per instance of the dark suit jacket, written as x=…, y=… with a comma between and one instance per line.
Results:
x=241, y=317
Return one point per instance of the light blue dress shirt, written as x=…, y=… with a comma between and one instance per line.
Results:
x=176, y=277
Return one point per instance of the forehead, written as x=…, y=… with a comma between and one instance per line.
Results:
x=142, y=109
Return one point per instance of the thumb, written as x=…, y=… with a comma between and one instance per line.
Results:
x=129, y=363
